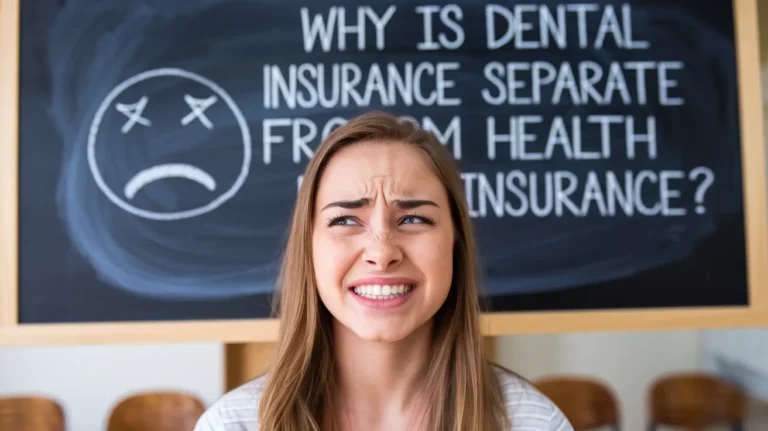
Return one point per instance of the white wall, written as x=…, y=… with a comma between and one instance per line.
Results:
x=88, y=380
x=627, y=361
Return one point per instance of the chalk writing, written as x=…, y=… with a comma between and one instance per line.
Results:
x=589, y=136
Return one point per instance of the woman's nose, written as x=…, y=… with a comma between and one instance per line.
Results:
x=381, y=252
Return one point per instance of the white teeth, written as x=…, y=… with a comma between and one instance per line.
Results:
x=383, y=291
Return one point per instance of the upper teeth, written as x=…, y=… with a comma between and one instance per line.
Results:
x=382, y=290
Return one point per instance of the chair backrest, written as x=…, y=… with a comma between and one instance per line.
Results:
x=156, y=411
x=30, y=413
x=696, y=401
x=587, y=403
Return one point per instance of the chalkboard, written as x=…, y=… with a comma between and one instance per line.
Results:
x=601, y=145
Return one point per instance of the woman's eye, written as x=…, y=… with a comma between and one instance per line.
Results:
x=342, y=221
x=416, y=220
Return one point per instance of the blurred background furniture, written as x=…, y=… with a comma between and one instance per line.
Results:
x=696, y=401
x=156, y=411
x=587, y=402
x=31, y=413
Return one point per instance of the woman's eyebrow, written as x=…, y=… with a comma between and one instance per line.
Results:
x=401, y=203
x=358, y=203
x=408, y=204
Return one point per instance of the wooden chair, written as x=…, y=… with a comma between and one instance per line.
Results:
x=156, y=411
x=30, y=413
x=586, y=402
x=696, y=401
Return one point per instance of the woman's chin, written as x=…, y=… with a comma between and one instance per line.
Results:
x=381, y=334
x=386, y=330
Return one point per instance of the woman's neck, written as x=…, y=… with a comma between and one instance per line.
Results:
x=381, y=379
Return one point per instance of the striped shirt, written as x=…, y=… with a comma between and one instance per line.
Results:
x=527, y=408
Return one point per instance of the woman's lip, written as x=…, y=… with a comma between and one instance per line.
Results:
x=369, y=281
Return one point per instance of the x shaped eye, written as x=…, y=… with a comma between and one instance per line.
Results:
x=133, y=112
x=198, y=107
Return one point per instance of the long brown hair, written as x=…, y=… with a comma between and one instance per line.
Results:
x=300, y=388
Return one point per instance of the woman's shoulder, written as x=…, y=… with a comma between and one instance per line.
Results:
x=527, y=407
x=236, y=410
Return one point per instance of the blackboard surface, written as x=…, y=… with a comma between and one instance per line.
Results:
x=161, y=144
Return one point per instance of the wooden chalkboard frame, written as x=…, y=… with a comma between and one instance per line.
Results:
x=266, y=330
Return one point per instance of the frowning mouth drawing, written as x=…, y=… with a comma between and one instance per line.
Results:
x=168, y=170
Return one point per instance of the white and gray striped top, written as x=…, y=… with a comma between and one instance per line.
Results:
x=528, y=409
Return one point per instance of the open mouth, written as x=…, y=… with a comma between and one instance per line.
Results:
x=169, y=170
x=383, y=292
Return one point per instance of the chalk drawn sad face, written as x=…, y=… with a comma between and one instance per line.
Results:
x=169, y=144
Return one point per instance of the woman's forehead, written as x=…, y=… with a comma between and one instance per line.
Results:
x=396, y=169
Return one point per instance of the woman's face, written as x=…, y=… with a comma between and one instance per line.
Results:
x=383, y=240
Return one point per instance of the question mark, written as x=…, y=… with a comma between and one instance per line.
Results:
x=709, y=177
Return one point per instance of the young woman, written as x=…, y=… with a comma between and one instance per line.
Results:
x=379, y=302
